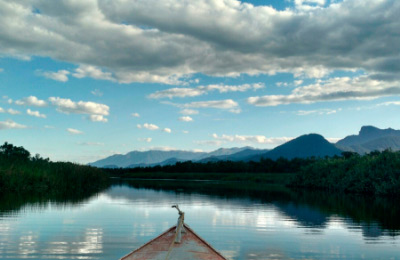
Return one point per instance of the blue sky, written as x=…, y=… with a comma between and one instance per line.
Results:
x=81, y=80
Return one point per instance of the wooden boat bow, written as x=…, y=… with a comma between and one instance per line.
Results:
x=179, y=242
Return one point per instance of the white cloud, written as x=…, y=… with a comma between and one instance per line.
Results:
x=201, y=90
x=147, y=139
x=35, y=113
x=163, y=41
x=49, y=127
x=282, y=84
x=235, y=110
x=31, y=101
x=333, y=89
x=333, y=139
x=9, y=124
x=308, y=5
x=185, y=131
x=187, y=108
x=97, y=92
x=317, y=112
x=93, y=72
x=209, y=142
x=177, y=92
x=219, y=104
x=135, y=115
x=256, y=139
x=96, y=111
x=186, y=119
x=298, y=82
x=148, y=126
x=167, y=130
x=61, y=75
x=13, y=111
x=2, y=110
x=74, y=131
x=390, y=103
x=187, y=111
x=98, y=118
x=1, y=70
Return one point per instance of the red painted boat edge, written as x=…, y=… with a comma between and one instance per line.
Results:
x=169, y=230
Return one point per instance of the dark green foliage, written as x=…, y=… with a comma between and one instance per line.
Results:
x=19, y=172
x=266, y=171
x=375, y=173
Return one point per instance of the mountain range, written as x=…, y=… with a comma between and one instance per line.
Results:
x=369, y=139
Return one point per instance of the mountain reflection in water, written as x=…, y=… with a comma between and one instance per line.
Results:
x=242, y=221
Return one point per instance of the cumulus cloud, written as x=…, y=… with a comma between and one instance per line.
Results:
x=187, y=111
x=186, y=119
x=9, y=124
x=147, y=139
x=98, y=118
x=135, y=115
x=13, y=111
x=10, y=111
x=167, y=130
x=257, y=139
x=298, y=82
x=97, y=92
x=31, y=101
x=96, y=111
x=201, y=90
x=74, y=131
x=93, y=72
x=35, y=113
x=307, y=5
x=148, y=126
x=61, y=75
x=162, y=41
x=333, y=89
x=209, y=142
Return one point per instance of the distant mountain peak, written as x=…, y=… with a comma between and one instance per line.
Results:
x=371, y=138
x=304, y=146
x=369, y=129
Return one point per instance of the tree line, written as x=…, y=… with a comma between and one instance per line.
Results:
x=373, y=173
x=21, y=172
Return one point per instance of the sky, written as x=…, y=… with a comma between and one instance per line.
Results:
x=82, y=80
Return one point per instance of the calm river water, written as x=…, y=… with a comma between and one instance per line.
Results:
x=246, y=223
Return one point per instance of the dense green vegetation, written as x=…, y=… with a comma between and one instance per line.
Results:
x=21, y=172
x=279, y=171
x=375, y=173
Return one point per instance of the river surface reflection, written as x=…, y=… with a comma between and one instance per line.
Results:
x=239, y=221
